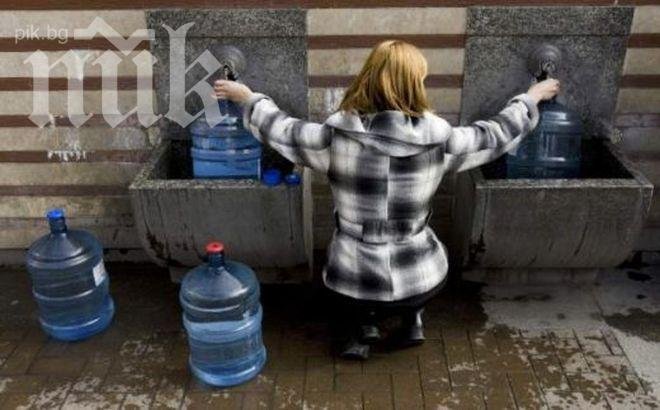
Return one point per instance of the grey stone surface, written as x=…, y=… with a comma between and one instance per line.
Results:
x=573, y=20
x=580, y=223
x=624, y=307
x=273, y=42
x=592, y=41
x=533, y=276
x=276, y=67
x=231, y=23
x=176, y=216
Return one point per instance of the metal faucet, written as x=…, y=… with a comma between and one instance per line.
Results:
x=543, y=61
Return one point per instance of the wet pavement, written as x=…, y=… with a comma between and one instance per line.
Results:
x=495, y=346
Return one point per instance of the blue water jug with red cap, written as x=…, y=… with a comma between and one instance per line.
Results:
x=222, y=316
x=69, y=281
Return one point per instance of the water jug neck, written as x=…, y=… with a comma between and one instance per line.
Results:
x=223, y=105
x=548, y=69
x=56, y=221
x=547, y=104
x=230, y=110
x=217, y=260
x=215, y=252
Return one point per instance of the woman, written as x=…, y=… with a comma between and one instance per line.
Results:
x=385, y=154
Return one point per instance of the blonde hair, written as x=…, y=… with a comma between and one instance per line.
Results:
x=392, y=78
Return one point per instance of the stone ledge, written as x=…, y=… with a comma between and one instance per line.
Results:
x=565, y=21
x=231, y=23
x=531, y=276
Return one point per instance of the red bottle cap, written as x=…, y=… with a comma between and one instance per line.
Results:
x=215, y=247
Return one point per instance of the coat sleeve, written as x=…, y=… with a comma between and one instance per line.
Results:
x=301, y=142
x=483, y=141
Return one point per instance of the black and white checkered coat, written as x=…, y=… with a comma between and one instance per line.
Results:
x=384, y=169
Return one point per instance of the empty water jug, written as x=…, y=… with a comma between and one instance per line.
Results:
x=222, y=316
x=552, y=150
x=69, y=281
x=226, y=150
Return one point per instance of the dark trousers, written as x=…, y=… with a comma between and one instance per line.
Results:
x=351, y=313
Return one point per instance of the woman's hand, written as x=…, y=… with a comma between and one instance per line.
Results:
x=231, y=90
x=544, y=90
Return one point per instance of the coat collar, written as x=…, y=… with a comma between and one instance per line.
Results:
x=393, y=132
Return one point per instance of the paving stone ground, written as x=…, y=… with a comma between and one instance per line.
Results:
x=499, y=347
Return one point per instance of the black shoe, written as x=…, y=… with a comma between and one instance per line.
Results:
x=411, y=332
x=414, y=336
x=354, y=350
x=369, y=334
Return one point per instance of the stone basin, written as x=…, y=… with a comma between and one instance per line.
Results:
x=177, y=215
x=589, y=222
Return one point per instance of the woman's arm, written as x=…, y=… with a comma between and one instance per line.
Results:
x=483, y=141
x=301, y=142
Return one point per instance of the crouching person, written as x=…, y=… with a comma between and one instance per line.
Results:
x=385, y=154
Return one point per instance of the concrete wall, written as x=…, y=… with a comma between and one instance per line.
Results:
x=638, y=109
x=88, y=169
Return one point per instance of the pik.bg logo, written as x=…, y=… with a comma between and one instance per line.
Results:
x=109, y=61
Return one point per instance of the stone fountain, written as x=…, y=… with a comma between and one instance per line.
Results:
x=548, y=229
x=176, y=215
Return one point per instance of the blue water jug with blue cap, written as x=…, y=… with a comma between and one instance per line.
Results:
x=222, y=317
x=553, y=149
x=69, y=281
x=227, y=150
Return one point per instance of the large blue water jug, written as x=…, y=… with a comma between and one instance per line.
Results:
x=69, y=281
x=226, y=150
x=222, y=316
x=552, y=150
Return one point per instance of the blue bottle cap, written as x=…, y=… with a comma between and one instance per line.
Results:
x=55, y=213
x=272, y=177
x=292, y=179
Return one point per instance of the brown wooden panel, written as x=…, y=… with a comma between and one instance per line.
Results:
x=639, y=2
x=92, y=156
x=444, y=81
x=637, y=120
x=367, y=41
x=94, y=120
x=62, y=190
x=100, y=43
x=62, y=84
x=434, y=81
x=640, y=81
x=127, y=4
x=114, y=232
x=643, y=156
x=644, y=40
